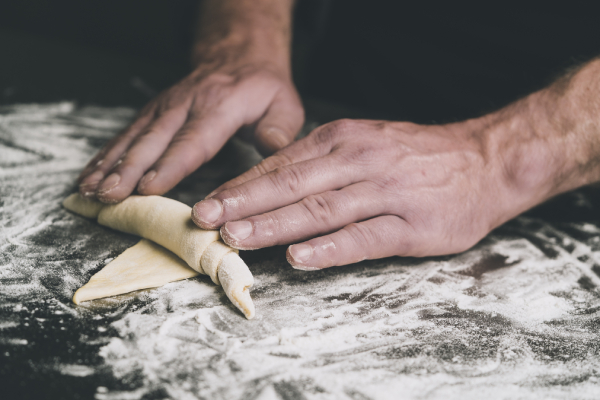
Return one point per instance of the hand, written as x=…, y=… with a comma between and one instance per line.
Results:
x=366, y=190
x=186, y=125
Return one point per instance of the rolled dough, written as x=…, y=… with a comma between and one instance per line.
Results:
x=168, y=223
x=164, y=221
x=211, y=259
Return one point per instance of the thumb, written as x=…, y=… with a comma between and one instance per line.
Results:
x=280, y=124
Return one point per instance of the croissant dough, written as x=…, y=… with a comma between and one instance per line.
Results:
x=143, y=266
x=168, y=223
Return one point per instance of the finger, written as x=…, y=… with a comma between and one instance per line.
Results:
x=105, y=159
x=197, y=141
x=280, y=124
x=314, y=215
x=144, y=117
x=278, y=188
x=302, y=150
x=147, y=147
x=379, y=237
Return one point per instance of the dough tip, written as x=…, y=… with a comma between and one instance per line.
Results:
x=244, y=302
x=79, y=296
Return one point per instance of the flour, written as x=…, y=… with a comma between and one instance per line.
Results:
x=515, y=317
x=337, y=347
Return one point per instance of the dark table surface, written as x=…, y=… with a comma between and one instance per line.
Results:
x=515, y=317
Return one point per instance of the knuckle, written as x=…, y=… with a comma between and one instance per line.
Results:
x=334, y=131
x=320, y=208
x=361, y=235
x=271, y=220
x=363, y=154
x=286, y=180
x=275, y=161
x=343, y=125
x=388, y=185
x=262, y=167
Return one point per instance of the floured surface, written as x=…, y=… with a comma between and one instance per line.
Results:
x=515, y=317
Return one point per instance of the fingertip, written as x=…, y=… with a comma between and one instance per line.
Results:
x=206, y=213
x=235, y=232
x=110, y=183
x=299, y=257
x=145, y=181
x=111, y=191
x=89, y=184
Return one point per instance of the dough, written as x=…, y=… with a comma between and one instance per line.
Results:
x=237, y=280
x=145, y=265
x=168, y=223
x=164, y=221
x=82, y=206
x=211, y=259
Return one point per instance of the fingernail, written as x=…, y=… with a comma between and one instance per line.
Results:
x=87, y=188
x=276, y=137
x=92, y=179
x=208, y=211
x=300, y=253
x=109, y=183
x=146, y=179
x=239, y=230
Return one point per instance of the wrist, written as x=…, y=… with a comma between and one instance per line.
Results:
x=251, y=31
x=546, y=143
x=238, y=48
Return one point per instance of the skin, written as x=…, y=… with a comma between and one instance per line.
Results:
x=370, y=189
x=240, y=83
x=352, y=189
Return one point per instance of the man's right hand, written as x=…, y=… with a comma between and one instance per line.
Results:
x=235, y=86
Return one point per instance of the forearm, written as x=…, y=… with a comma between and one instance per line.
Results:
x=547, y=143
x=253, y=29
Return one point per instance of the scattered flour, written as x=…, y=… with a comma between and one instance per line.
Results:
x=515, y=317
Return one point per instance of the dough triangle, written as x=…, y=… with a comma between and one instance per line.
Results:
x=145, y=265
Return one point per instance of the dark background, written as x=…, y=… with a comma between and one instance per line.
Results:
x=421, y=61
